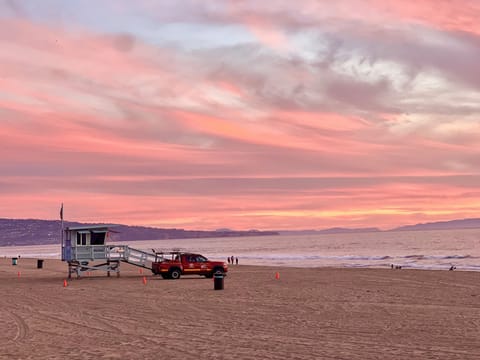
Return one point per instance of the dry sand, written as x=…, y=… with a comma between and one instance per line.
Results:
x=306, y=314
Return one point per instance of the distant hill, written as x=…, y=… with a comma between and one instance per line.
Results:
x=339, y=230
x=442, y=225
x=40, y=232
x=334, y=230
x=438, y=225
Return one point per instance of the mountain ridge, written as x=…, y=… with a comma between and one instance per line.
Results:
x=470, y=223
x=15, y=232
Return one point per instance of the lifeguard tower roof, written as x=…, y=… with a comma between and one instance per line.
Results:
x=91, y=227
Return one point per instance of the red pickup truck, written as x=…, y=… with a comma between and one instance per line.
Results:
x=172, y=265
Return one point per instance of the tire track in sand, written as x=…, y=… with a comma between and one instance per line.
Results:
x=22, y=327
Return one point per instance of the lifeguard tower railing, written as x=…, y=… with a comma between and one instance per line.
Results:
x=109, y=252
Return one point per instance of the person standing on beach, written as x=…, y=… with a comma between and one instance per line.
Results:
x=236, y=261
x=228, y=260
x=231, y=259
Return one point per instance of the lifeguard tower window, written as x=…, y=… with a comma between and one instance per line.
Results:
x=97, y=238
x=81, y=239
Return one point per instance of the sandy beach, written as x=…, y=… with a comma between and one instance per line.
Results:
x=305, y=314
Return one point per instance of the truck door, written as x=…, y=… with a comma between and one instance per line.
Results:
x=201, y=263
x=190, y=265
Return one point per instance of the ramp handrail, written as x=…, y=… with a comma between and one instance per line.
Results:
x=131, y=255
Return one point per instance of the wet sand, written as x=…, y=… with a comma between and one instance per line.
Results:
x=305, y=314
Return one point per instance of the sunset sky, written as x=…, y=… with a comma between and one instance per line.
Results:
x=205, y=114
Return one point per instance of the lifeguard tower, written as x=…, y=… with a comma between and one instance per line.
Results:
x=85, y=249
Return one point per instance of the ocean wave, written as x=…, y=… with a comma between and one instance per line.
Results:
x=413, y=256
x=437, y=257
x=314, y=257
x=300, y=257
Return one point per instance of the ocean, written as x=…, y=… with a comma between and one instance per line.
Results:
x=437, y=250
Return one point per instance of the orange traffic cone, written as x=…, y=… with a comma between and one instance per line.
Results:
x=65, y=283
x=144, y=280
x=277, y=275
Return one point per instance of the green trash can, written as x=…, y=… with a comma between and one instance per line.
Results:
x=14, y=261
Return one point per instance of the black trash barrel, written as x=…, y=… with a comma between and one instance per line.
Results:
x=218, y=281
x=14, y=261
x=39, y=264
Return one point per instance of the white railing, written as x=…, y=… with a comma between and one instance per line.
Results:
x=110, y=252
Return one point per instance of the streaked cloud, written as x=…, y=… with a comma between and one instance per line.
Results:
x=208, y=114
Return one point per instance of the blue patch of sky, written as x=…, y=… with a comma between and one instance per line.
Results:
x=199, y=36
x=102, y=17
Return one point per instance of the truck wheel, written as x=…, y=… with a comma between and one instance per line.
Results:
x=175, y=274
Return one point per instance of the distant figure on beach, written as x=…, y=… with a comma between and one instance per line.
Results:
x=236, y=261
x=228, y=260
x=391, y=266
x=231, y=260
x=452, y=268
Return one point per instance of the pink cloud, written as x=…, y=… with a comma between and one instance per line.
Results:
x=237, y=135
x=443, y=14
x=319, y=120
x=267, y=35
x=230, y=88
